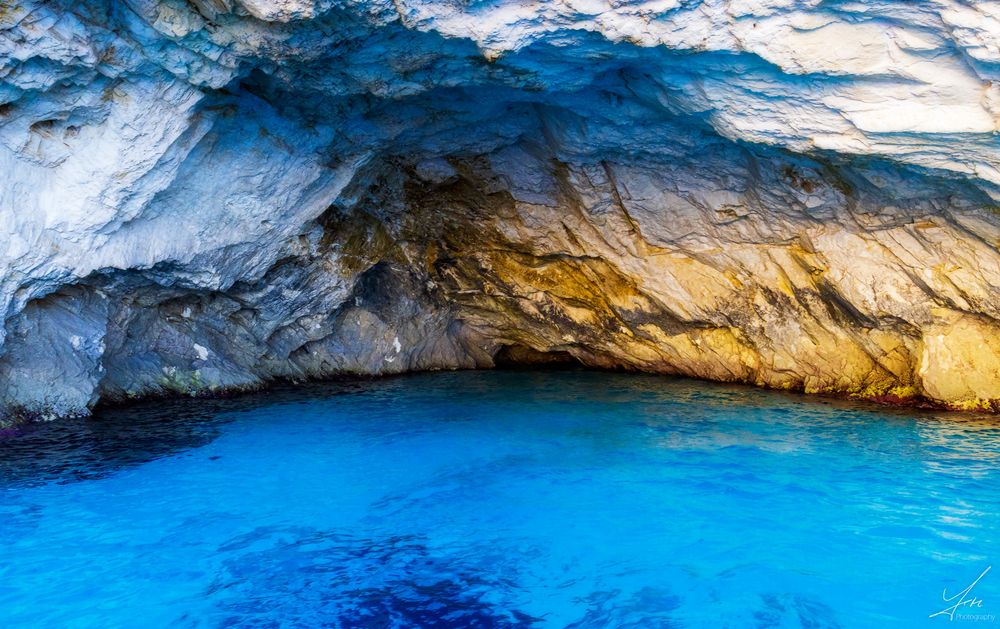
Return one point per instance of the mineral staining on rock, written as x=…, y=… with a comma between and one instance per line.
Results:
x=207, y=195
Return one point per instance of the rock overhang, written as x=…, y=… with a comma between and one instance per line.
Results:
x=795, y=195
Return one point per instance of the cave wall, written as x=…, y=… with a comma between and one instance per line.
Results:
x=204, y=196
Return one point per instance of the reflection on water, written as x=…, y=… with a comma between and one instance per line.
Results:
x=87, y=448
x=499, y=499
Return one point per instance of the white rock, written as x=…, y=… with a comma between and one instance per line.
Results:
x=217, y=159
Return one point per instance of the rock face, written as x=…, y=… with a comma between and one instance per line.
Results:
x=208, y=194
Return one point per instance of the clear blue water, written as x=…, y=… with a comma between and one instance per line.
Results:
x=499, y=499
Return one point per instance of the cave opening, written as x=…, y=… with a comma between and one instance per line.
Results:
x=517, y=356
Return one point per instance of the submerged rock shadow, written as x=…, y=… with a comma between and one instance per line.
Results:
x=346, y=581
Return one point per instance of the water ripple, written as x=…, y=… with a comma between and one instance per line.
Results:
x=519, y=499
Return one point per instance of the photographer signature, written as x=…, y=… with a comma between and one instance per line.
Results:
x=964, y=599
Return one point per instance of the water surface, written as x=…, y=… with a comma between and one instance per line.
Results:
x=499, y=499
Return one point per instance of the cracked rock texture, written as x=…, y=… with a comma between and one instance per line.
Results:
x=205, y=195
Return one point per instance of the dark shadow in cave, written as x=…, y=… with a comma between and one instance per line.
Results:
x=523, y=357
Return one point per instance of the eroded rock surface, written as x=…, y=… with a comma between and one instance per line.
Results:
x=210, y=194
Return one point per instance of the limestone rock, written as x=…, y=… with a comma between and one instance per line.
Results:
x=211, y=194
x=960, y=361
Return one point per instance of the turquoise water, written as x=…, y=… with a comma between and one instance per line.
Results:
x=500, y=499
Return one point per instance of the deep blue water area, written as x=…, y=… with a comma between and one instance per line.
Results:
x=501, y=499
